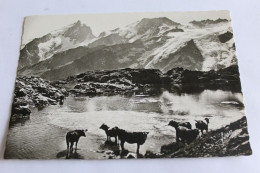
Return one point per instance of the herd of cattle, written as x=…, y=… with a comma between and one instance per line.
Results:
x=184, y=133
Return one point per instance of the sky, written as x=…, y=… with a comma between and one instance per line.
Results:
x=38, y=26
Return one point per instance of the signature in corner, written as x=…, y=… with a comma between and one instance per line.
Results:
x=224, y=136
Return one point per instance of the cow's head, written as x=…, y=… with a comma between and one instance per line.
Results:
x=82, y=133
x=173, y=123
x=145, y=135
x=104, y=126
x=207, y=120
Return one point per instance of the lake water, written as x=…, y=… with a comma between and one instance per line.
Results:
x=43, y=135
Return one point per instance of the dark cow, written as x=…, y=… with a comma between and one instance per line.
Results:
x=184, y=134
x=62, y=99
x=73, y=136
x=110, y=132
x=131, y=138
x=201, y=125
x=184, y=124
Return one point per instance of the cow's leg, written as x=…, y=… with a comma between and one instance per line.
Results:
x=122, y=145
x=107, y=137
x=76, y=144
x=71, y=146
x=116, y=139
x=67, y=141
x=137, y=150
x=177, y=138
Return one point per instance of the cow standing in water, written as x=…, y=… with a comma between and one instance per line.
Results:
x=132, y=137
x=73, y=136
x=110, y=132
x=61, y=99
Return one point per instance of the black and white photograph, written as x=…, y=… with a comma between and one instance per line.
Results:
x=128, y=86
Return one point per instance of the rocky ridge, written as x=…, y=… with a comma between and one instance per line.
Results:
x=178, y=80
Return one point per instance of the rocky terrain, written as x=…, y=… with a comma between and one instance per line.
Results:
x=231, y=140
x=150, y=81
x=34, y=92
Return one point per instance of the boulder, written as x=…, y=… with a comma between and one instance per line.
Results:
x=21, y=111
x=21, y=93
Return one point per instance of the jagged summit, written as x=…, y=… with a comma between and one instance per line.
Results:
x=204, y=23
x=79, y=32
x=42, y=48
x=154, y=24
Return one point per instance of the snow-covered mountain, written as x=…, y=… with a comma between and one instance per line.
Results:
x=149, y=43
x=45, y=47
x=144, y=29
x=205, y=42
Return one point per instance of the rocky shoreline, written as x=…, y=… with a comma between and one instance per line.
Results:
x=34, y=92
x=231, y=140
x=37, y=92
x=151, y=81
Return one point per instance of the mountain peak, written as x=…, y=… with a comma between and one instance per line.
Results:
x=79, y=32
x=153, y=24
x=78, y=22
x=158, y=21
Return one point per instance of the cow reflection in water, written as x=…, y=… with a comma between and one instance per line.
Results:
x=71, y=137
x=72, y=155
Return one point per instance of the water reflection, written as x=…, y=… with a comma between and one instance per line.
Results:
x=72, y=155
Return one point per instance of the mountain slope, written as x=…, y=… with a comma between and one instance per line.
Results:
x=144, y=29
x=63, y=65
x=43, y=48
x=188, y=56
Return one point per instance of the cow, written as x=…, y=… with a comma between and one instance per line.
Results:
x=201, y=125
x=62, y=99
x=184, y=134
x=184, y=124
x=110, y=132
x=132, y=137
x=73, y=136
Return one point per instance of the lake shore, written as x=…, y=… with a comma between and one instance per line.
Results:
x=231, y=140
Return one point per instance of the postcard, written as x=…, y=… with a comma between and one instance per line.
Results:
x=128, y=85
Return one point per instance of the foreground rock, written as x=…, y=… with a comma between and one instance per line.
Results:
x=230, y=140
x=34, y=92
